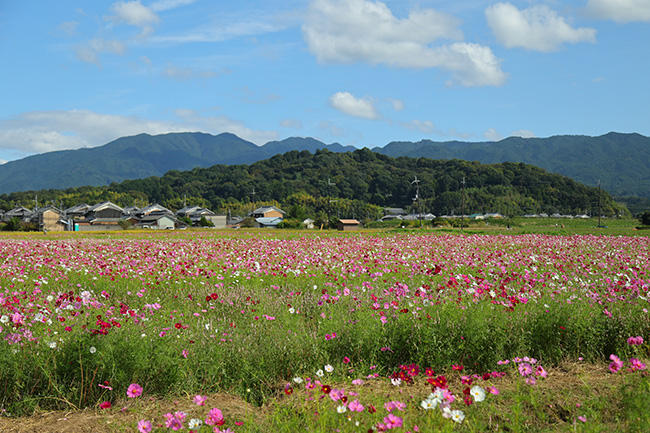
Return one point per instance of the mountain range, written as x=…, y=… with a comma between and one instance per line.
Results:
x=621, y=162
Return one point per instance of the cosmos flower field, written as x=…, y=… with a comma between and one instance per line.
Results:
x=94, y=321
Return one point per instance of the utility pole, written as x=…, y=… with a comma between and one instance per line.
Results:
x=599, y=212
x=329, y=199
x=253, y=201
x=462, y=212
x=416, y=181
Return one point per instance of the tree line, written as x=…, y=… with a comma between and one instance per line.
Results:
x=347, y=185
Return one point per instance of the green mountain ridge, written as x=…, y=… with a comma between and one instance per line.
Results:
x=621, y=162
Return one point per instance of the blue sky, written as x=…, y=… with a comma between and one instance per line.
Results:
x=82, y=73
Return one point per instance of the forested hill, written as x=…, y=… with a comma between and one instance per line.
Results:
x=142, y=156
x=620, y=161
x=359, y=178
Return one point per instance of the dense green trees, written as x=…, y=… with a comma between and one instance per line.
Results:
x=361, y=183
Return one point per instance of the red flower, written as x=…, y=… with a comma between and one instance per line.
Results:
x=457, y=367
x=371, y=409
x=105, y=405
x=438, y=382
x=326, y=389
x=178, y=325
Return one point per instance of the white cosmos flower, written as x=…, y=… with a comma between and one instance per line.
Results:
x=396, y=381
x=329, y=368
x=341, y=409
x=195, y=423
x=297, y=379
x=478, y=393
x=92, y=349
x=320, y=373
x=457, y=415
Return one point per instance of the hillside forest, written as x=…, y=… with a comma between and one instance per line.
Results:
x=356, y=184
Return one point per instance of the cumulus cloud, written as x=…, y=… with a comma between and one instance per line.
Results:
x=492, y=135
x=135, y=14
x=46, y=131
x=523, y=133
x=621, y=11
x=537, y=28
x=357, y=107
x=348, y=31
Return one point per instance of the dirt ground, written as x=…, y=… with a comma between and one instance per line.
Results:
x=122, y=418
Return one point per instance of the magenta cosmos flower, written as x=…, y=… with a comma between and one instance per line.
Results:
x=392, y=421
x=134, y=391
x=144, y=426
x=616, y=364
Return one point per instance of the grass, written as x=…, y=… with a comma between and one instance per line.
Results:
x=237, y=316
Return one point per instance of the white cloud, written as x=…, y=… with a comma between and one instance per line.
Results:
x=398, y=105
x=357, y=107
x=537, y=28
x=165, y=5
x=90, y=51
x=523, y=133
x=621, y=11
x=68, y=28
x=492, y=135
x=135, y=14
x=351, y=31
x=425, y=126
x=215, y=32
x=46, y=131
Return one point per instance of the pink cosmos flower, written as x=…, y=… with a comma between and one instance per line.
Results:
x=635, y=341
x=525, y=369
x=336, y=394
x=355, y=406
x=173, y=423
x=215, y=417
x=199, y=400
x=392, y=421
x=493, y=390
x=346, y=360
x=539, y=371
x=357, y=382
x=637, y=365
x=144, y=426
x=582, y=418
x=616, y=364
x=134, y=391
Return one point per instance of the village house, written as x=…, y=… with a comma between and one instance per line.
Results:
x=347, y=225
x=268, y=212
x=22, y=213
x=49, y=219
x=102, y=216
x=268, y=222
x=195, y=213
